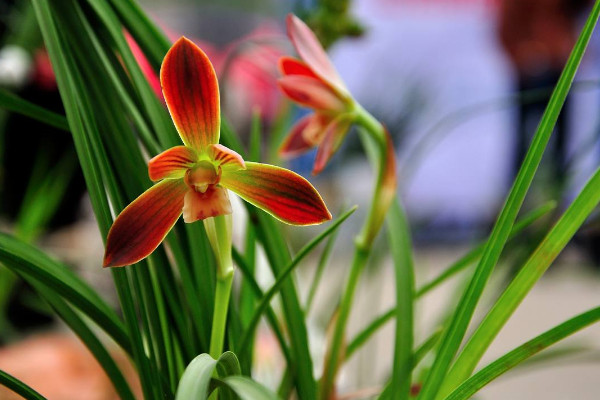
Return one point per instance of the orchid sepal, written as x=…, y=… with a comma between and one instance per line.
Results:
x=280, y=192
x=143, y=224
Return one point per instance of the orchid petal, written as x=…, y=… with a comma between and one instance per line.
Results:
x=191, y=92
x=332, y=139
x=143, y=224
x=198, y=205
x=295, y=143
x=282, y=193
x=310, y=50
x=291, y=66
x=311, y=92
x=172, y=163
x=225, y=157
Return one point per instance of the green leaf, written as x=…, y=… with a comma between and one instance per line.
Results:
x=503, y=364
x=19, y=387
x=151, y=39
x=282, y=277
x=475, y=254
x=75, y=95
x=195, y=382
x=247, y=389
x=91, y=341
x=14, y=103
x=455, y=331
x=323, y=262
x=401, y=247
x=228, y=365
x=34, y=266
x=269, y=233
x=156, y=113
x=532, y=271
x=456, y=267
x=45, y=190
x=270, y=314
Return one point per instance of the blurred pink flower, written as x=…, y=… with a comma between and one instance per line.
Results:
x=247, y=69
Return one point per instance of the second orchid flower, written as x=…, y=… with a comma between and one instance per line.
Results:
x=314, y=82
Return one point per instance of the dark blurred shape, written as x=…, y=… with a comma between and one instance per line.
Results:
x=538, y=36
x=331, y=20
x=30, y=153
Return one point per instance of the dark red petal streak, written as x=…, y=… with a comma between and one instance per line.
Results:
x=280, y=192
x=311, y=92
x=143, y=224
x=171, y=163
x=291, y=66
x=225, y=157
x=191, y=91
x=332, y=139
x=310, y=50
x=295, y=143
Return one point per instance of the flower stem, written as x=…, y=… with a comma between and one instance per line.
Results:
x=222, y=294
x=218, y=230
x=383, y=193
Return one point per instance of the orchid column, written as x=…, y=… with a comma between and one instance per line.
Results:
x=194, y=180
x=313, y=82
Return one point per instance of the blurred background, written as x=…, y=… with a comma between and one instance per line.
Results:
x=461, y=85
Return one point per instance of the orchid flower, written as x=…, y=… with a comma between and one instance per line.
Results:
x=194, y=179
x=314, y=82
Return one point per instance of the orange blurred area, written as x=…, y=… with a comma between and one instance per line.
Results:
x=59, y=367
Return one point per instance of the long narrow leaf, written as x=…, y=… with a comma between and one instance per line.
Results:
x=459, y=265
x=19, y=387
x=532, y=271
x=268, y=296
x=91, y=341
x=454, y=334
x=34, y=266
x=401, y=246
x=247, y=389
x=522, y=353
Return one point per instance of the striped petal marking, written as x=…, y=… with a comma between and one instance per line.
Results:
x=225, y=157
x=144, y=223
x=282, y=193
x=172, y=163
x=191, y=92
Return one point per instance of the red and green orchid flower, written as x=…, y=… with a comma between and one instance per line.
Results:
x=193, y=179
x=314, y=82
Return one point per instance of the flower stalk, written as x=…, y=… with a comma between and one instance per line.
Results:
x=218, y=230
x=383, y=194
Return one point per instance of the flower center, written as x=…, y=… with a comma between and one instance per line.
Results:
x=202, y=175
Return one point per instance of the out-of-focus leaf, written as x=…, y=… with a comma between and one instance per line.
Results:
x=503, y=364
x=247, y=389
x=454, y=333
x=19, y=387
